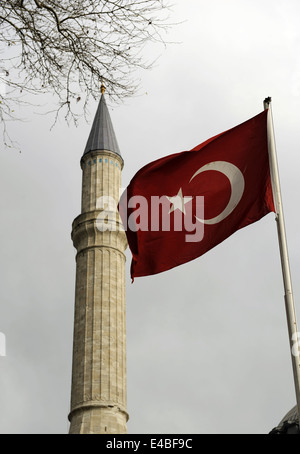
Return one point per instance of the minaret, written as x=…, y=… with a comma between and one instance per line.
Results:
x=98, y=396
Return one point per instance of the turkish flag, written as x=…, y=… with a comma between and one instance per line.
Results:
x=178, y=207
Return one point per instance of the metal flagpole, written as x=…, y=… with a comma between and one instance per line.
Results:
x=288, y=297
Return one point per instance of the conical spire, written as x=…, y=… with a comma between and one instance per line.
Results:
x=102, y=135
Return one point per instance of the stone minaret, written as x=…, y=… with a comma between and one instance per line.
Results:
x=98, y=396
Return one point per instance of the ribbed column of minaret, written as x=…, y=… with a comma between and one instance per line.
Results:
x=98, y=397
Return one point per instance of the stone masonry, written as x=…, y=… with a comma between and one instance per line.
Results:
x=98, y=396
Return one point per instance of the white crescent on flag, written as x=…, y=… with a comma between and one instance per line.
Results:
x=237, y=183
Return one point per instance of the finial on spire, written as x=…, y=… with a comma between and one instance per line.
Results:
x=102, y=87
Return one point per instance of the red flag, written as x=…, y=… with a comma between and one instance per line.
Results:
x=178, y=207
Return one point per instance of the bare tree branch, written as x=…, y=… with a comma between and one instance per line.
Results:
x=66, y=47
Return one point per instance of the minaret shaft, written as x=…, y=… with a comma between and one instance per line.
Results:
x=98, y=400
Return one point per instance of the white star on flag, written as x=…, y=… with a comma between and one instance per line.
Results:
x=178, y=202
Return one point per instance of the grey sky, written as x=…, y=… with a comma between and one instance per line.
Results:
x=207, y=342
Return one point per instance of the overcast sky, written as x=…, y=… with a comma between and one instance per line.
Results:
x=207, y=342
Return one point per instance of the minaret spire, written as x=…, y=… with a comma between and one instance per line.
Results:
x=98, y=396
x=102, y=135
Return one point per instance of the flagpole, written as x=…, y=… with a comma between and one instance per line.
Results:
x=288, y=296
